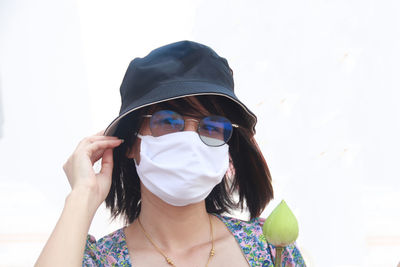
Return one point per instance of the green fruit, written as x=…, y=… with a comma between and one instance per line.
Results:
x=281, y=228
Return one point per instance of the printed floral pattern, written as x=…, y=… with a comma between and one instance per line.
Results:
x=111, y=250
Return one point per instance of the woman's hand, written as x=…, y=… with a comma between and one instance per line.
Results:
x=89, y=189
x=79, y=166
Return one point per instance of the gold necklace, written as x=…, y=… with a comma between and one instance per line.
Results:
x=169, y=261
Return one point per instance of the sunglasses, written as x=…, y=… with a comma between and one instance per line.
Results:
x=213, y=130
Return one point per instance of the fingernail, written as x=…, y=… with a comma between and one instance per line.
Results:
x=122, y=140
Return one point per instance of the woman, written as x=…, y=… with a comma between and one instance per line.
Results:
x=172, y=160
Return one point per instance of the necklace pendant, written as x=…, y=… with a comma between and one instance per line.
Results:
x=212, y=252
x=170, y=262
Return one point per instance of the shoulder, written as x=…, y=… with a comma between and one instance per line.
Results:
x=250, y=237
x=109, y=250
x=252, y=228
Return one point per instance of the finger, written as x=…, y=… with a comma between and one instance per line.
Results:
x=101, y=145
x=93, y=138
x=97, y=155
x=107, y=163
x=95, y=151
x=100, y=137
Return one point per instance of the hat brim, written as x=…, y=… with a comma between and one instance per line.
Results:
x=178, y=89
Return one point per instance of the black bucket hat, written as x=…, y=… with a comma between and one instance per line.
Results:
x=177, y=70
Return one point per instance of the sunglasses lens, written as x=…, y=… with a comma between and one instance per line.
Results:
x=165, y=122
x=215, y=130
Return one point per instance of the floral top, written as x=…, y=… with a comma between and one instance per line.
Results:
x=112, y=250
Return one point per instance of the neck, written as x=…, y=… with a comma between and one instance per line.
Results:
x=171, y=227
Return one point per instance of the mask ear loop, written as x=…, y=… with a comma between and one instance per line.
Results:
x=138, y=135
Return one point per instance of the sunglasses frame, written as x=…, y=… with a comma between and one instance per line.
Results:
x=198, y=124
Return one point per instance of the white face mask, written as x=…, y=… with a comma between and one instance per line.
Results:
x=179, y=168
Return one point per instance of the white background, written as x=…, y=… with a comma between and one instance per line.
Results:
x=322, y=77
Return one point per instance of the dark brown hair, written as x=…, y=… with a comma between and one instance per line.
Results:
x=248, y=176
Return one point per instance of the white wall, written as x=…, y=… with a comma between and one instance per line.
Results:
x=322, y=77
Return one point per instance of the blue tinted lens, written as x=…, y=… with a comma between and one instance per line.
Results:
x=215, y=130
x=166, y=121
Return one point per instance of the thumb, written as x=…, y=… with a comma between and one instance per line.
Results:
x=107, y=162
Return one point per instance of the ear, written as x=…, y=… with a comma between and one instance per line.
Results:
x=130, y=153
x=134, y=151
